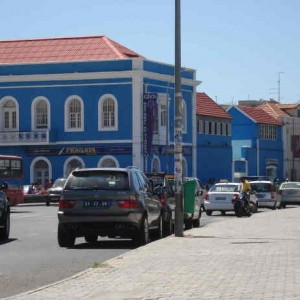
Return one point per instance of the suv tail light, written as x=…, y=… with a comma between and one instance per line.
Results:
x=128, y=203
x=272, y=195
x=66, y=204
x=206, y=197
x=280, y=192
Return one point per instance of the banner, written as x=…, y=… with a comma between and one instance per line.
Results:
x=149, y=112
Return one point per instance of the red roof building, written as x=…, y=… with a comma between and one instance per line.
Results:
x=205, y=106
x=89, y=48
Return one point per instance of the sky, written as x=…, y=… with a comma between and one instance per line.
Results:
x=240, y=49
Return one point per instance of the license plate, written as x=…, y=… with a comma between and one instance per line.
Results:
x=220, y=198
x=95, y=204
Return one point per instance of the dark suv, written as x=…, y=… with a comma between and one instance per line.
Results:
x=113, y=202
x=4, y=216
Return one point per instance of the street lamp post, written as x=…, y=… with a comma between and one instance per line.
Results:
x=178, y=230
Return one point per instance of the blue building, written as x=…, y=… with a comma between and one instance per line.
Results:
x=256, y=142
x=214, y=151
x=85, y=102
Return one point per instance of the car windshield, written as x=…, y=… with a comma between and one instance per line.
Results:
x=291, y=185
x=59, y=183
x=225, y=188
x=261, y=187
x=99, y=180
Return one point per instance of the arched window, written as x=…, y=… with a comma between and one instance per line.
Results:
x=155, y=165
x=40, y=113
x=10, y=116
x=108, y=161
x=71, y=164
x=108, y=113
x=74, y=114
x=40, y=170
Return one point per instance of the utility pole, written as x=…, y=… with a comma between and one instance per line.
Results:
x=178, y=230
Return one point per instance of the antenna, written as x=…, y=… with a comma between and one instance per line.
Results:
x=279, y=85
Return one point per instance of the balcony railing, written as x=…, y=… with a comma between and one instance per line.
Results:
x=23, y=137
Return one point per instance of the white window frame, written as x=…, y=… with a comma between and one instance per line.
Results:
x=70, y=159
x=67, y=114
x=34, y=113
x=153, y=161
x=100, y=113
x=106, y=157
x=3, y=101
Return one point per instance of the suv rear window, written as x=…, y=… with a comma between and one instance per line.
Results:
x=98, y=180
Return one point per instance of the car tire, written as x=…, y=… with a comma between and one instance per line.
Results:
x=47, y=203
x=142, y=237
x=91, y=238
x=66, y=238
x=209, y=212
x=196, y=223
x=188, y=224
x=168, y=226
x=4, y=232
x=159, y=231
x=223, y=212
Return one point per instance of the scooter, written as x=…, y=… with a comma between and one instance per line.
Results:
x=242, y=205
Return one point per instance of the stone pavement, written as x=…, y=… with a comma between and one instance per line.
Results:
x=241, y=258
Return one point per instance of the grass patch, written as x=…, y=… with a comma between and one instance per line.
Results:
x=100, y=265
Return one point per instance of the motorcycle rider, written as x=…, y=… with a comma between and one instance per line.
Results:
x=246, y=189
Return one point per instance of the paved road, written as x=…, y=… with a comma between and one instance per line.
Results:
x=246, y=258
x=32, y=258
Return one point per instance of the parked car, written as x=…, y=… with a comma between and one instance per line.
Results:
x=53, y=193
x=289, y=193
x=190, y=219
x=4, y=216
x=266, y=194
x=163, y=190
x=33, y=193
x=220, y=195
x=113, y=202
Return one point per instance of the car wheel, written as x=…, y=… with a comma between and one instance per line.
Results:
x=159, y=231
x=91, y=238
x=209, y=212
x=196, y=223
x=47, y=203
x=188, y=224
x=4, y=232
x=223, y=213
x=168, y=228
x=65, y=237
x=142, y=235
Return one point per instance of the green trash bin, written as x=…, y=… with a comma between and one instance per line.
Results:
x=189, y=196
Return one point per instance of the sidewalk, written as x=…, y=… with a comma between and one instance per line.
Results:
x=242, y=258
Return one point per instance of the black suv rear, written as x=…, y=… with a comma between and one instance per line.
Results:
x=113, y=202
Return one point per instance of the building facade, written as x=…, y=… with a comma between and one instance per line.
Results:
x=68, y=103
x=256, y=143
x=214, y=150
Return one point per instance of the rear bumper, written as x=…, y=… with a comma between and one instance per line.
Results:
x=124, y=226
x=226, y=206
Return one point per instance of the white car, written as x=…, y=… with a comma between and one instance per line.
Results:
x=265, y=193
x=220, y=195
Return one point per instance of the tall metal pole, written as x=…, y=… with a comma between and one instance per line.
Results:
x=178, y=128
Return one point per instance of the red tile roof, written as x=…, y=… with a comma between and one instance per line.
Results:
x=89, y=48
x=205, y=106
x=259, y=115
x=274, y=109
